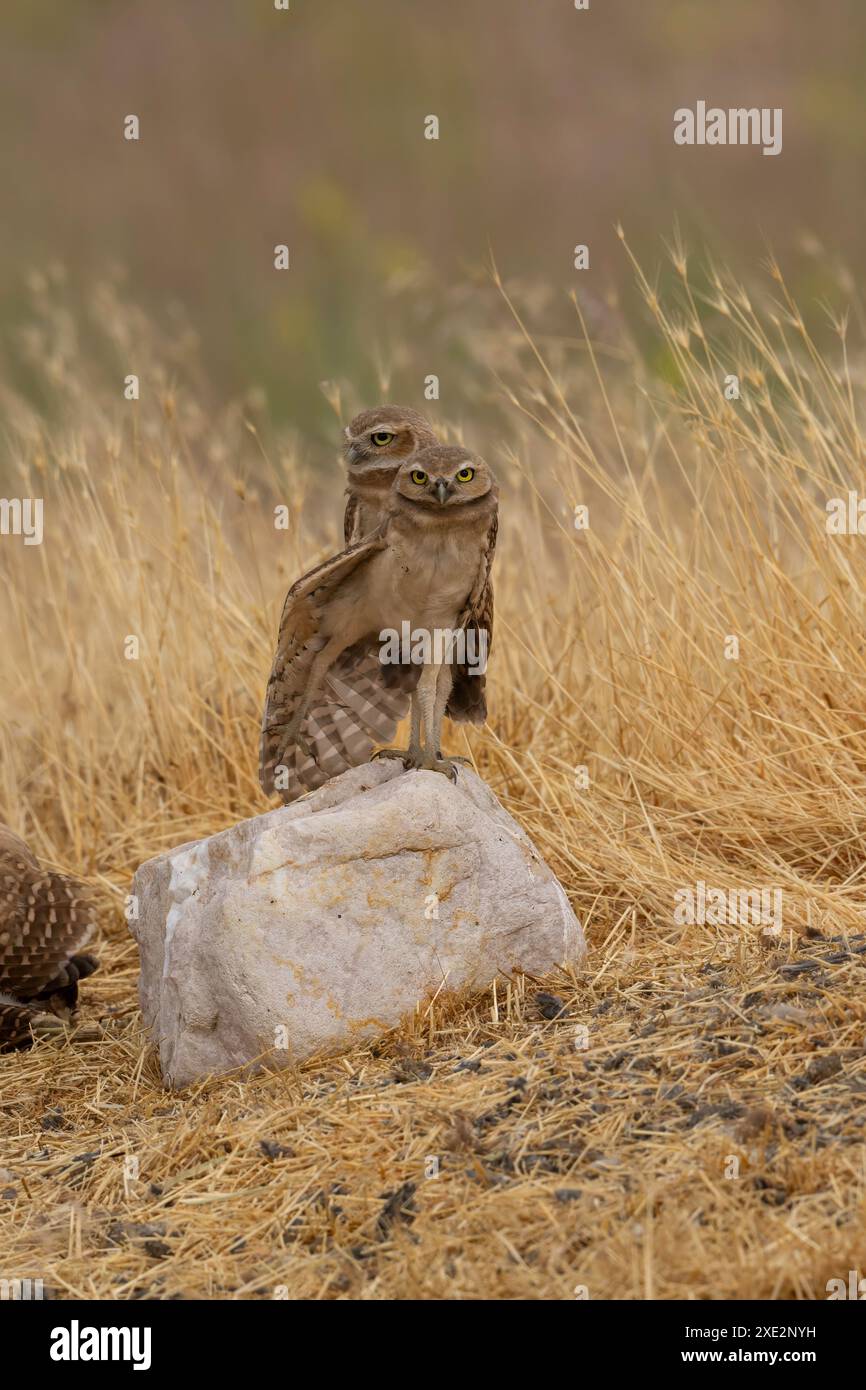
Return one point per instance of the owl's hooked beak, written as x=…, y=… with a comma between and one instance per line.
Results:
x=442, y=490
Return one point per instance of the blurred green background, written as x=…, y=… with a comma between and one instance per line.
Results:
x=307, y=127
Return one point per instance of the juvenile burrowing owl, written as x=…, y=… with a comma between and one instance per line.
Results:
x=45, y=919
x=378, y=442
x=423, y=573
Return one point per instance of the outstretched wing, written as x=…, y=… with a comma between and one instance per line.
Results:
x=353, y=710
x=467, y=703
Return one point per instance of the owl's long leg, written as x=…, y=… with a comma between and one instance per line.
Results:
x=427, y=699
x=434, y=688
x=413, y=755
x=444, y=682
x=443, y=694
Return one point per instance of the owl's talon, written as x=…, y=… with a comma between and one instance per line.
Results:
x=447, y=766
x=401, y=753
x=411, y=758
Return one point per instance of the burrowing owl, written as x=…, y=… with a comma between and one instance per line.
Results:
x=427, y=565
x=45, y=919
x=378, y=441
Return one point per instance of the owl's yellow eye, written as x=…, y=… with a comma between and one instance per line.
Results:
x=419, y=477
x=381, y=438
x=465, y=475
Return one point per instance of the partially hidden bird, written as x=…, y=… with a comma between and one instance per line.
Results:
x=424, y=569
x=377, y=442
x=45, y=920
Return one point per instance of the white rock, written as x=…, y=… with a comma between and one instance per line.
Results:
x=324, y=922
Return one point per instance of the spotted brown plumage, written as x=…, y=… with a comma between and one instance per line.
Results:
x=45, y=919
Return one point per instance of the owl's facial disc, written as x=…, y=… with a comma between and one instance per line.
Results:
x=383, y=436
x=445, y=477
x=388, y=443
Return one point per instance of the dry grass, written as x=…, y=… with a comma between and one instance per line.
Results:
x=560, y=1165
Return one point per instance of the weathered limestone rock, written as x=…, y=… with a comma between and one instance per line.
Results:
x=309, y=927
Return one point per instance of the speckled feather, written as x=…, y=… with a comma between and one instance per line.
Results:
x=45, y=918
x=355, y=709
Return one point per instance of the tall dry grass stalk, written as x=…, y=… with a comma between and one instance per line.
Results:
x=707, y=522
